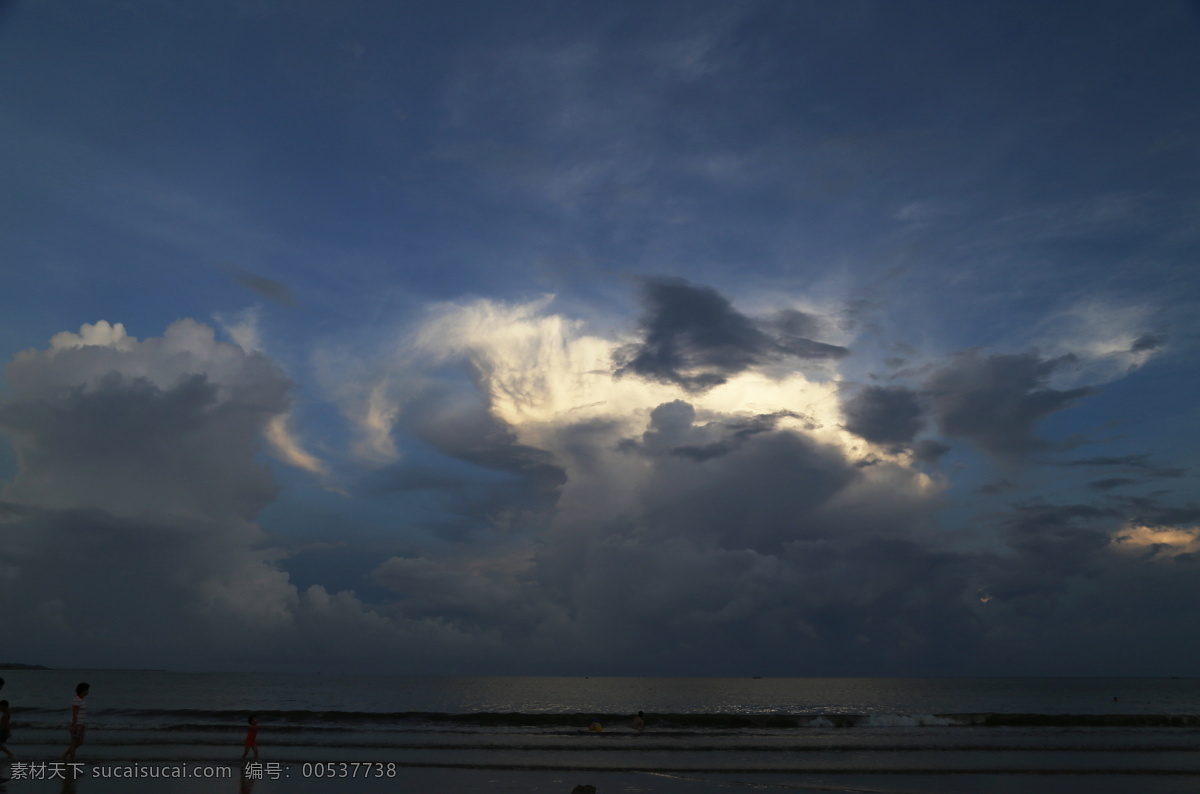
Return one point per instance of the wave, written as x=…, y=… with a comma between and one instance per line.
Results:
x=342, y=721
x=659, y=747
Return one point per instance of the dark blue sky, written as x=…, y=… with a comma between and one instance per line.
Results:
x=654, y=338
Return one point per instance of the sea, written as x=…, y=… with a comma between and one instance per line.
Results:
x=764, y=727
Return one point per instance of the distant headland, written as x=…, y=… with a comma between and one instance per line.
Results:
x=19, y=666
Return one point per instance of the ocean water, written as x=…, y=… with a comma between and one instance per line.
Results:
x=767, y=726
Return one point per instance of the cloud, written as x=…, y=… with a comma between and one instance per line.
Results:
x=283, y=442
x=570, y=518
x=101, y=334
x=1134, y=463
x=1148, y=342
x=167, y=425
x=1106, y=338
x=683, y=514
x=884, y=415
x=692, y=336
x=759, y=492
x=124, y=586
x=130, y=534
x=659, y=512
x=930, y=451
x=286, y=447
x=485, y=597
x=504, y=479
x=994, y=401
x=1158, y=543
x=243, y=328
x=275, y=291
x=997, y=401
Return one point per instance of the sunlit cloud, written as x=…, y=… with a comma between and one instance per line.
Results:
x=541, y=370
x=99, y=334
x=287, y=448
x=1157, y=543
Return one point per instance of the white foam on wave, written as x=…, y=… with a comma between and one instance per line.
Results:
x=907, y=721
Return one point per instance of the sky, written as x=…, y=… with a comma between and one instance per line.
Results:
x=601, y=338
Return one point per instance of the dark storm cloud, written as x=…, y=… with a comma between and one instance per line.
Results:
x=1068, y=595
x=698, y=543
x=87, y=570
x=930, y=451
x=793, y=323
x=503, y=452
x=884, y=415
x=758, y=545
x=464, y=429
x=508, y=475
x=997, y=401
x=738, y=433
x=693, y=337
x=794, y=331
x=128, y=537
x=827, y=606
x=131, y=445
x=761, y=547
x=671, y=423
x=744, y=484
x=480, y=598
x=1152, y=513
x=137, y=429
x=1051, y=551
x=139, y=479
x=1059, y=535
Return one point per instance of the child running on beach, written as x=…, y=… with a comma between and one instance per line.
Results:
x=251, y=740
x=5, y=728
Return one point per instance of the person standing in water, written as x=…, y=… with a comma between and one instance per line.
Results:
x=78, y=721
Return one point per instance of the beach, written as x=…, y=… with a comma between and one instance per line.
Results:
x=562, y=782
x=182, y=732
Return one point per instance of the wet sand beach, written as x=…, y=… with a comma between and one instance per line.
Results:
x=98, y=779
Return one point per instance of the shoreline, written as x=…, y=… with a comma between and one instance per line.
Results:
x=160, y=778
